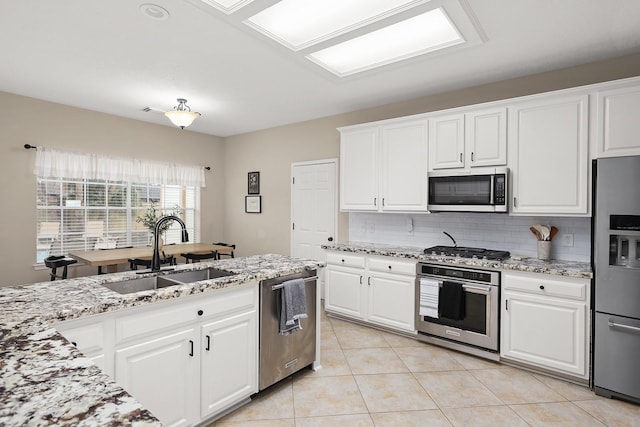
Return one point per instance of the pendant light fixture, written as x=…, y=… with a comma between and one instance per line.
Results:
x=181, y=115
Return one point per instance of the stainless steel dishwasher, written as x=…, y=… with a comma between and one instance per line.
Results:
x=282, y=355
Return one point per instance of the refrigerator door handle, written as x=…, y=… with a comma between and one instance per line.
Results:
x=613, y=324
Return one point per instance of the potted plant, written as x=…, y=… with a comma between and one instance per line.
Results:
x=151, y=217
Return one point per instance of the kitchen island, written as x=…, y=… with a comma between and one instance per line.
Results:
x=47, y=381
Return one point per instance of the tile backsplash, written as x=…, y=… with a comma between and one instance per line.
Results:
x=484, y=230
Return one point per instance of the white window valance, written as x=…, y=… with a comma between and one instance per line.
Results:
x=62, y=164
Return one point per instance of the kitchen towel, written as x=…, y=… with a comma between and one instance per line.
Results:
x=429, y=291
x=451, y=301
x=293, y=306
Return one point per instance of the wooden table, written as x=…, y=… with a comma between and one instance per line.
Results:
x=112, y=257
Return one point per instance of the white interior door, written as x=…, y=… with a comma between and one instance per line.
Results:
x=313, y=209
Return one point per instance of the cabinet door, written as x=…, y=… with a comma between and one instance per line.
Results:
x=359, y=169
x=391, y=301
x=446, y=142
x=162, y=374
x=94, y=339
x=547, y=332
x=404, y=166
x=548, y=156
x=486, y=137
x=229, y=362
x=345, y=291
x=617, y=122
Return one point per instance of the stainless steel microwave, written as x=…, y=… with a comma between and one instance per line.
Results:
x=477, y=190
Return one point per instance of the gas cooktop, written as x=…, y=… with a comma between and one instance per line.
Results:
x=463, y=252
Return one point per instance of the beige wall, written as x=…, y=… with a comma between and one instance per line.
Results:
x=272, y=151
x=30, y=121
x=26, y=120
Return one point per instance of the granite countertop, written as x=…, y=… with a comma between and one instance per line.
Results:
x=577, y=269
x=45, y=380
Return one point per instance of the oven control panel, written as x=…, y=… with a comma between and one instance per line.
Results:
x=490, y=277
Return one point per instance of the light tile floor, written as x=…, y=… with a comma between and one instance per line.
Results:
x=374, y=378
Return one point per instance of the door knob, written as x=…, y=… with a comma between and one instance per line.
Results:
x=330, y=239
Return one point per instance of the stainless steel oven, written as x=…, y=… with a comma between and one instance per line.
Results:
x=477, y=325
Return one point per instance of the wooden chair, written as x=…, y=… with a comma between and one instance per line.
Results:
x=232, y=246
x=199, y=257
x=56, y=261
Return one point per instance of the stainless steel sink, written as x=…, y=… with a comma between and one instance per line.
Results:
x=143, y=284
x=197, y=275
x=159, y=282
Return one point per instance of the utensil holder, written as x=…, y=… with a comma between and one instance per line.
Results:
x=544, y=250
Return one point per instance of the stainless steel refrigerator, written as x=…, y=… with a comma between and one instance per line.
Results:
x=616, y=264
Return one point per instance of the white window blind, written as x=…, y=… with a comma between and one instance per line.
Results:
x=79, y=208
x=78, y=215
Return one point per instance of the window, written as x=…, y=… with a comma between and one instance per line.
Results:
x=83, y=214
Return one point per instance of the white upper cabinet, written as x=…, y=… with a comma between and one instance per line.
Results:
x=446, y=141
x=470, y=139
x=359, y=169
x=383, y=167
x=404, y=166
x=618, y=120
x=486, y=137
x=548, y=156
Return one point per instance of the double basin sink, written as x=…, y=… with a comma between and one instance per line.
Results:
x=171, y=279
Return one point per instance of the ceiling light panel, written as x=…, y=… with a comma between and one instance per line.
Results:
x=227, y=6
x=415, y=36
x=298, y=24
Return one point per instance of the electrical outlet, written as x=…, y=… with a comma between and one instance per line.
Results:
x=566, y=240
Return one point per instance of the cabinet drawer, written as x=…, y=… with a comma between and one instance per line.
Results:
x=344, y=258
x=565, y=287
x=170, y=315
x=391, y=265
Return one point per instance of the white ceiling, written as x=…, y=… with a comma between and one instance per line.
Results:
x=107, y=56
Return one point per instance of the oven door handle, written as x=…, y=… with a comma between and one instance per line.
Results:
x=484, y=290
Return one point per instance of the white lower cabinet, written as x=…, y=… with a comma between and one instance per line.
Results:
x=229, y=362
x=162, y=373
x=93, y=337
x=185, y=360
x=378, y=290
x=545, y=322
x=391, y=300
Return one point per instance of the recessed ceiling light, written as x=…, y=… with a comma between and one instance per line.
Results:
x=415, y=36
x=227, y=6
x=301, y=23
x=154, y=11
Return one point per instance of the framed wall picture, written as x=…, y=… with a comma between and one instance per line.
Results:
x=254, y=183
x=253, y=204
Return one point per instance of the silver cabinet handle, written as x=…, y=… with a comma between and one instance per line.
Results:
x=375, y=201
x=361, y=280
x=208, y=348
x=613, y=324
x=383, y=201
x=460, y=156
x=369, y=280
x=477, y=288
x=515, y=202
x=472, y=157
x=191, y=350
